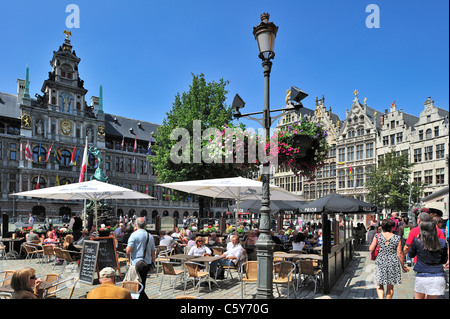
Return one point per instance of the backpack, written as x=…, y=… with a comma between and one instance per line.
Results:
x=406, y=231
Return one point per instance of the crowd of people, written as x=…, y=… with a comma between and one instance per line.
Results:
x=399, y=244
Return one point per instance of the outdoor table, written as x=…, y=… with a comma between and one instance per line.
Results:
x=207, y=260
x=286, y=255
x=182, y=257
x=309, y=256
x=11, y=251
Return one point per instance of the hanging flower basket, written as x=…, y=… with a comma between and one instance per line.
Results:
x=302, y=148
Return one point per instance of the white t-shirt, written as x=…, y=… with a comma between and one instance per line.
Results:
x=196, y=251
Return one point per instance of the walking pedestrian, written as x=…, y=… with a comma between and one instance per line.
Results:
x=390, y=257
x=403, y=232
x=141, y=248
x=373, y=226
x=432, y=253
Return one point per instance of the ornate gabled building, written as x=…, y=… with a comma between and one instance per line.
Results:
x=395, y=132
x=356, y=149
x=55, y=126
x=429, y=150
x=364, y=137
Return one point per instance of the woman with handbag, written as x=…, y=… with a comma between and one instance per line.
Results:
x=390, y=257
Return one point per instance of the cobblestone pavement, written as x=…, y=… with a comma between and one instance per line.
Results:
x=355, y=283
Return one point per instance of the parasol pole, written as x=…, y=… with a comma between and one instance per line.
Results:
x=85, y=211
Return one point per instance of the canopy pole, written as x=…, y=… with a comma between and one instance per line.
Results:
x=95, y=216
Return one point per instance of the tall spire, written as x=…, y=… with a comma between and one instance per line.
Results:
x=100, y=102
x=27, y=84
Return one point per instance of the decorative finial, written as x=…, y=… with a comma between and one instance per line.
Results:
x=67, y=33
x=355, y=92
x=265, y=17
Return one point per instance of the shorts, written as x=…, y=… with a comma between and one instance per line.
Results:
x=432, y=286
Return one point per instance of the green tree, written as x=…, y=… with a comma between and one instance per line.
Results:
x=388, y=184
x=202, y=106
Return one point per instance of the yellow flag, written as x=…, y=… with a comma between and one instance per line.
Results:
x=57, y=180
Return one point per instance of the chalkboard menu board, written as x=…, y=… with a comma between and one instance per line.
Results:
x=88, y=261
x=107, y=254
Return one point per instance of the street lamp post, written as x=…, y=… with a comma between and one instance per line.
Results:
x=265, y=34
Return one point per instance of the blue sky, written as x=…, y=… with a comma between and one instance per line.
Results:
x=143, y=52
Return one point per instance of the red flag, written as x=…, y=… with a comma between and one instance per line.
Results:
x=123, y=143
x=28, y=155
x=146, y=189
x=72, y=159
x=37, y=183
x=135, y=143
x=84, y=164
x=132, y=167
x=48, y=154
x=135, y=188
x=393, y=104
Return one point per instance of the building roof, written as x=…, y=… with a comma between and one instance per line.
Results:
x=8, y=106
x=120, y=126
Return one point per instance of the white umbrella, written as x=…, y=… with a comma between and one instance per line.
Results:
x=237, y=188
x=91, y=190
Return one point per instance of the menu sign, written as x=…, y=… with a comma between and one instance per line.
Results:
x=89, y=261
x=107, y=254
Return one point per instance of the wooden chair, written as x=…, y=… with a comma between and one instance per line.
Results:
x=236, y=266
x=285, y=276
x=162, y=256
x=7, y=276
x=169, y=271
x=124, y=258
x=32, y=251
x=53, y=290
x=52, y=279
x=47, y=251
x=2, y=251
x=194, y=274
x=307, y=268
x=58, y=256
x=250, y=276
x=186, y=297
x=68, y=260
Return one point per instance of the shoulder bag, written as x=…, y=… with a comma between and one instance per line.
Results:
x=374, y=254
x=141, y=263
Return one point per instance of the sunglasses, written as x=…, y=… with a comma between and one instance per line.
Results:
x=33, y=277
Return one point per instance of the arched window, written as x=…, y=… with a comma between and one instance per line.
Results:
x=42, y=182
x=64, y=181
x=39, y=157
x=65, y=157
x=428, y=134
